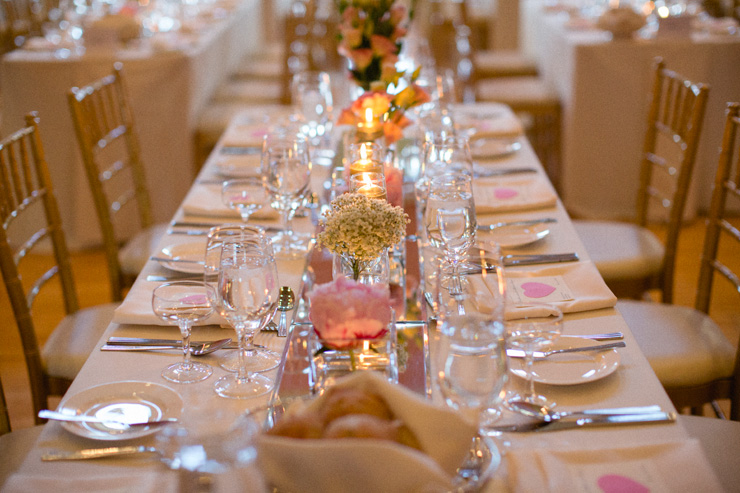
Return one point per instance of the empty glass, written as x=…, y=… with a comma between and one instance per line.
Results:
x=184, y=303
x=313, y=102
x=246, y=195
x=286, y=167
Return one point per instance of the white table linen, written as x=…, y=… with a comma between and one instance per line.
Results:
x=632, y=384
x=604, y=88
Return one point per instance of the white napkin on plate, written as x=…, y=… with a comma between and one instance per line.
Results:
x=487, y=120
x=582, y=281
x=366, y=465
x=658, y=468
x=246, y=134
x=205, y=200
x=512, y=193
x=239, y=166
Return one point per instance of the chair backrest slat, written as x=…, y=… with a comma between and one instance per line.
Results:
x=102, y=116
x=720, y=229
x=30, y=183
x=674, y=124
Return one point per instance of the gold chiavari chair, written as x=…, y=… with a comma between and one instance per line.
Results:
x=688, y=351
x=30, y=219
x=110, y=151
x=628, y=255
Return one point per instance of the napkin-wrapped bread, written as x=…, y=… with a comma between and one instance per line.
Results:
x=366, y=434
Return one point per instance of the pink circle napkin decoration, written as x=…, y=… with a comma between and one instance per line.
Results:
x=505, y=193
x=615, y=483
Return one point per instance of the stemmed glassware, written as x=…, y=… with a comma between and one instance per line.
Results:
x=313, y=101
x=258, y=359
x=184, y=303
x=450, y=220
x=247, y=291
x=286, y=167
x=533, y=333
x=246, y=195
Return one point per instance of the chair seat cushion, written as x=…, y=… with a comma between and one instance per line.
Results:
x=503, y=63
x=684, y=346
x=516, y=91
x=135, y=253
x=71, y=343
x=621, y=251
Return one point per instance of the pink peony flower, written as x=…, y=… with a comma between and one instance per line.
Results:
x=344, y=312
x=394, y=185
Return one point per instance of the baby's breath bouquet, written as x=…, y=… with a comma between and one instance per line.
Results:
x=360, y=229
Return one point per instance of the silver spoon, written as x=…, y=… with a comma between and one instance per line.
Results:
x=546, y=414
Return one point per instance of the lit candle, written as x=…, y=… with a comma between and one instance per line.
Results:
x=371, y=185
x=370, y=128
x=367, y=161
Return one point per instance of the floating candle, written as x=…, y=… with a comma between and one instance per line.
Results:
x=371, y=185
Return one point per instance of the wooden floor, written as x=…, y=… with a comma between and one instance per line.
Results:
x=92, y=286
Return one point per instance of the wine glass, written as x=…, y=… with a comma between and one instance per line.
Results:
x=184, y=303
x=471, y=366
x=312, y=98
x=286, y=166
x=246, y=195
x=531, y=333
x=450, y=220
x=258, y=359
x=248, y=287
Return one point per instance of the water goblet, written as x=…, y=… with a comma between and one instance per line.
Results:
x=184, y=303
x=534, y=332
x=450, y=220
x=258, y=359
x=248, y=287
x=471, y=368
x=246, y=195
x=286, y=166
x=313, y=101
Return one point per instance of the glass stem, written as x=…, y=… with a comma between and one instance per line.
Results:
x=529, y=362
x=244, y=343
x=185, y=333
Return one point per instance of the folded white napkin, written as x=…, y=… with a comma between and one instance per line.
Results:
x=205, y=200
x=512, y=193
x=239, y=165
x=245, y=134
x=487, y=120
x=366, y=465
x=578, y=282
x=658, y=468
x=136, y=308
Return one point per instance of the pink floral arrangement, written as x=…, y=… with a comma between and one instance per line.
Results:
x=394, y=185
x=390, y=107
x=370, y=37
x=345, y=312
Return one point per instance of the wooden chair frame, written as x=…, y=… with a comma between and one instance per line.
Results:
x=102, y=116
x=25, y=181
x=676, y=113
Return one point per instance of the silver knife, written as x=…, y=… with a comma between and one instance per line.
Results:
x=240, y=150
x=139, y=341
x=609, y=420
x=208, y=225
x=178, y=260
x=519, y=353
x=502, y=172
x=97, y=453
x=57, y=416
x=516, y=260
x=528, y=222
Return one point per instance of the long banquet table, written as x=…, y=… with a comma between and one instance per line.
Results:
x=633, y=384
x=604, y=86
x=169, y=77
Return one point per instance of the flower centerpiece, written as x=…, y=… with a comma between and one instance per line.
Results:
x=361, y=229
x=371, y=34
x=352, y=330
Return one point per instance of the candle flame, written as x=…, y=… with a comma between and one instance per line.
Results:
x=369, y=117
x=363, y=152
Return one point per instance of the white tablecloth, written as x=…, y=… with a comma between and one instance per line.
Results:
x=604, y=89
x=167, y=89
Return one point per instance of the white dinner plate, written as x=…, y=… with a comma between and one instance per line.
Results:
x=188, y=253
x=570, y=368
x=128, y=401
x=514, y=236
x=493, y=147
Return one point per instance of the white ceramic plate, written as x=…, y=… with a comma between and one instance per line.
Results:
x=517, y=235
x=493, y=147
x=570, y=368
x=123, y=401
x=190, y=252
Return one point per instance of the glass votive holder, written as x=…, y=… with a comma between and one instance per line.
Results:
x=371, y=185
x=366, y=157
